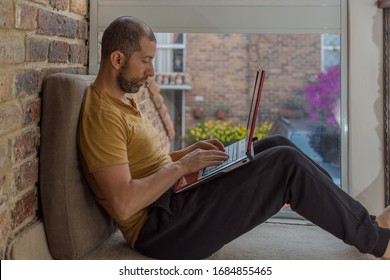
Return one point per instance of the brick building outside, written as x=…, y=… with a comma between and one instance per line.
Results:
x=221, y=68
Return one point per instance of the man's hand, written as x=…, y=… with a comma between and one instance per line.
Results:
x=127, y=196
x=206, y=155
x=211, y=144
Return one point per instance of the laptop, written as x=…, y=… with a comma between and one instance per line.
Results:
x=240, y=152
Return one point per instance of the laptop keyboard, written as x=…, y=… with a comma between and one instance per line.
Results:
x=235, y=151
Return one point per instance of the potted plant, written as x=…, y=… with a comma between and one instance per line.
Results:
x=197, y=112
x=221, y=110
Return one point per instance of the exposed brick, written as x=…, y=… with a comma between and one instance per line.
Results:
x=67, y=27
x=79, y=7
x=58, y=52
x=47, y=23
x=5, y=188
x=4, y=156
x=60, y=4
x=154, y=87
x=6, y=14
x=41, y=1
x=11, y=49
x=163, y=110
x=5, y=86
x=77, y=54
x=158, y=100
x=5, y=229
x=82, y=30
x=24, y=208
x=26, y=175
x=171, y=130
x=32, y=113
x=10, y=117
x=37, y=49
x=25, y=145
x=26, y=17
x=70, y=70
x=28, y=82
x=27, y=28
x=82, y=70
x=229, y=59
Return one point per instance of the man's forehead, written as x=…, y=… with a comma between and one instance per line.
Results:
x=147, y=45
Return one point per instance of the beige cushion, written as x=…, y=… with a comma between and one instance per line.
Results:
x=74, y=222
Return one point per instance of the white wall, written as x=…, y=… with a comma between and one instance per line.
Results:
x=366, y=104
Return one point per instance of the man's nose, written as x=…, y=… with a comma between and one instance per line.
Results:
x=150, y=71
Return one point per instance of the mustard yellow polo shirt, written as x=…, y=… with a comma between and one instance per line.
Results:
x=113, y=133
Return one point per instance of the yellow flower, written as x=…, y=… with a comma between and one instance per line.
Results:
x=226, y=131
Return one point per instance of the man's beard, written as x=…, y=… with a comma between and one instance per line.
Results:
x=128, y=86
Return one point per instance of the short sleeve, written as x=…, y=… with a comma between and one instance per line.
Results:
x=103, y=140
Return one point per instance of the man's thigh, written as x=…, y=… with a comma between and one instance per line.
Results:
x=196, y=223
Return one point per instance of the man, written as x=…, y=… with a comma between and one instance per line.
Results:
x=132, y=178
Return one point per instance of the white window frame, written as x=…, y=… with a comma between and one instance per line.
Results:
x=236, y=16
x=173, y=46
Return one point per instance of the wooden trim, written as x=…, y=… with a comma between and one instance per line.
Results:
x=382, y=4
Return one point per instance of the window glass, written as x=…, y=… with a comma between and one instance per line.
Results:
x=301, y=96
x=331, y=50
x=170, y=53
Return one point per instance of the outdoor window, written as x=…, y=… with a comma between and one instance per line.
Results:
x=302, y=44
x=170, y=53
x=300, y=100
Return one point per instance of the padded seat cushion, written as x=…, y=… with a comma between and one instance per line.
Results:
x=74, y=222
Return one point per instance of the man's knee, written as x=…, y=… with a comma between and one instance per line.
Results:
x=283, y=153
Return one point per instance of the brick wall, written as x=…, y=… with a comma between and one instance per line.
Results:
x=37, y=38
x=152, y=104
x=218, y=67
x=222, y=68
x=289, y=60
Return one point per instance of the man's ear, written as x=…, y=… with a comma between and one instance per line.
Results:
x=117, y=59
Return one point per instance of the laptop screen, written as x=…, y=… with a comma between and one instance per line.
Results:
x=255, y=103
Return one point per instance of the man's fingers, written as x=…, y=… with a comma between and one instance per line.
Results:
x=213, y=155
x=212, y=144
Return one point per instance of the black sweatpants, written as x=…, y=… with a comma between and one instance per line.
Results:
x=196, y=223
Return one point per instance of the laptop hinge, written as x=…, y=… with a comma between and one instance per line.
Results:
x=251, y=154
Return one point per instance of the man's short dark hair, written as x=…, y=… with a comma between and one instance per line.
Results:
x=124, y=34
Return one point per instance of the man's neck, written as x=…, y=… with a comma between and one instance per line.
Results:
x=109, y=86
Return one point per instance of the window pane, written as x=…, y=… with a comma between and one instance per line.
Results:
x=332, y=40
x=299, y=100
x=170, y=53
x=332, y=57
x=331, y=50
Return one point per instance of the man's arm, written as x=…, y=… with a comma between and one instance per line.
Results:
x=127, y=196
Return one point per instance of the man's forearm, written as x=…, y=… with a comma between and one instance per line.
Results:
x=176, y=155
x=143, y=192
